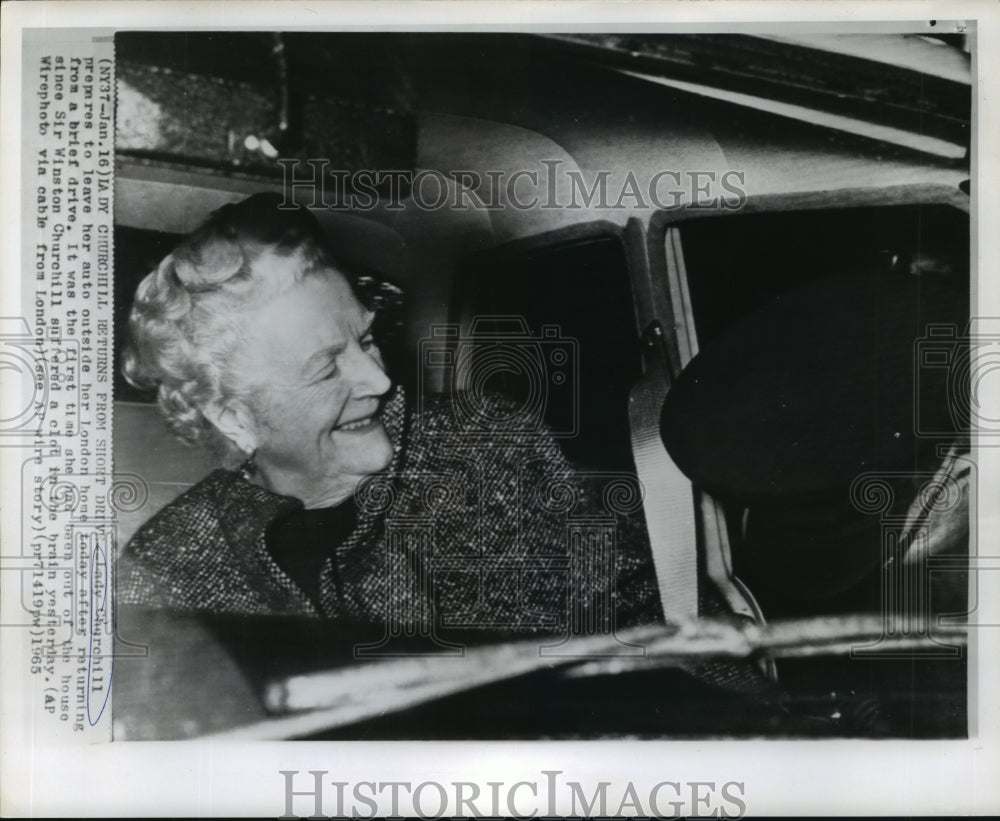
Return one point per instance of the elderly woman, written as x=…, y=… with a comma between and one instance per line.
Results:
x=339, y=499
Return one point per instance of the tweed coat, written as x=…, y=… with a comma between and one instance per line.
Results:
x=477, y=524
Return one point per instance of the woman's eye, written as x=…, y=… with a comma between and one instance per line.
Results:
x=367, y=342
x=330, y=374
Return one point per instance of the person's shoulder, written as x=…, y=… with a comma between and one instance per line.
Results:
x=488, y=427
x=178, y=559
x=473, y=412
x=190, y=514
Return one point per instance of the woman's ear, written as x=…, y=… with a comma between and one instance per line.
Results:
x=235, y=423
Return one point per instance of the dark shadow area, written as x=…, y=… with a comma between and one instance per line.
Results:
x=831, y=381
x=577, y=355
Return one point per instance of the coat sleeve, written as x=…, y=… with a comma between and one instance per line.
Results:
x=616, y=497
x=592, y=520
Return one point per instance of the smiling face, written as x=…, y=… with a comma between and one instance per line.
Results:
x=315, y=417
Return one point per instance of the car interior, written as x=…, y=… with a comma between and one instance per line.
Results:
x=774, y=340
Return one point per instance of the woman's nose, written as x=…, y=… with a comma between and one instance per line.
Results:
x=368, y=376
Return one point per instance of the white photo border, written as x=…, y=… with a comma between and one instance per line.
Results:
x=781, y=777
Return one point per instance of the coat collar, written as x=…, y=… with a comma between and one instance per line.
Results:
x=246, y=510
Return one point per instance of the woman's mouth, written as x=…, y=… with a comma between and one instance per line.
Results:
x=358, y=424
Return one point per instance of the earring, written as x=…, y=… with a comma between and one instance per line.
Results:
x=248, y=468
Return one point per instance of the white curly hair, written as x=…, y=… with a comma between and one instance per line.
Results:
x=188, y=315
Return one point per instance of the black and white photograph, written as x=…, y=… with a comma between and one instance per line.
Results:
x=479, y=380
x=599, y=385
